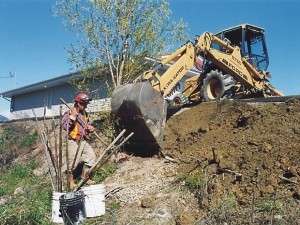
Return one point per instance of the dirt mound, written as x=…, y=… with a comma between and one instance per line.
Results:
x=243, y=160
x=249, y=151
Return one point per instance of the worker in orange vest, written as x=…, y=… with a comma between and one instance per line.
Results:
x=78, y=126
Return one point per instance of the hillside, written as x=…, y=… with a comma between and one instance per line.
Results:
x=238, y=163
x=235, y=163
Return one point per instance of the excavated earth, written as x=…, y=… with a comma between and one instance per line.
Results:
x=244, y=160
x=249, y=151
x=233, y=163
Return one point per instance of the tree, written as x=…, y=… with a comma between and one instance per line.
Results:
x=114, y=35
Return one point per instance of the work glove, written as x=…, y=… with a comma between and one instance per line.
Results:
x=73, y=114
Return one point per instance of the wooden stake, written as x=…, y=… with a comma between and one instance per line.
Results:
x=110, y=147
x=42, y=138
x=288, y=180
x=67, y=156
x=60, y=151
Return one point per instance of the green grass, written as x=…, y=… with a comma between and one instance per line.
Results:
x=17, y=176
x=32, y=206
x=9, y=137
x=193, y=182
x=6, y=139
x=28, y=140
x=228, y=203
x=268, y=207
x=104, y=172
x=2, y=192
x=115, y=206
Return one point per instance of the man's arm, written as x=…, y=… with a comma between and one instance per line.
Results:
x=68, y=120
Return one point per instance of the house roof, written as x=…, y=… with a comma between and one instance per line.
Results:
x=65, y=79
x=2, y=118
x=40, y=85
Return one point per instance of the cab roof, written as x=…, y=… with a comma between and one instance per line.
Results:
x=244, y=26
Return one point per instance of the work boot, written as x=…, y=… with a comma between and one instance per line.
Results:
x=84, y=175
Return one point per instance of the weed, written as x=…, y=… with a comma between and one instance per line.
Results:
x=2, y=192
x=225, y=208
x=28, y=140
x=193, y=182
x=115, y=206
x=13, y=134
x=7, y=147
x=6, y=138
x=109, y=121
x=229, y=203
x=104, y=172
x=38, y=206
x=269, y=207
x=20, y=172
x=30, y=210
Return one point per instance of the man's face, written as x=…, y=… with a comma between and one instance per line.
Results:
x=82, y=105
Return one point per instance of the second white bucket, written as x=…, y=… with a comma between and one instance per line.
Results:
x=56, y=215
x=94, y=200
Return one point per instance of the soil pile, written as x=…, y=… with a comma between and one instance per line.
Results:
x=248, y=151
x=238, y=163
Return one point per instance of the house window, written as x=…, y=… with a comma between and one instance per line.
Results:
x=49, y=100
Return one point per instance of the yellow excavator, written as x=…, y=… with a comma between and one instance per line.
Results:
x=231, y=64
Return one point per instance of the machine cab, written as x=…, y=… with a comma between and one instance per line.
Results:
x=251, y=40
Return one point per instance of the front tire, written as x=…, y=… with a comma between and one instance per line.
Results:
x=179, y=100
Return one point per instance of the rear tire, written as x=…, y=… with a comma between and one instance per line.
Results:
x=216, y=85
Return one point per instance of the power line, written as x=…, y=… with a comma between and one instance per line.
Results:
x=11, y=75
x=6, y=77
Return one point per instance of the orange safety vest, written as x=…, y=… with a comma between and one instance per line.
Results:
x=78, y=129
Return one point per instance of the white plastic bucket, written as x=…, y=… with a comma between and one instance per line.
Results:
x=94, y=200
x=56, y=215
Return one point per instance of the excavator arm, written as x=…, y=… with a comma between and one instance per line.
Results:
x=185, y=58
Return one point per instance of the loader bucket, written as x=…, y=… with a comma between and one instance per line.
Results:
x=142, y=110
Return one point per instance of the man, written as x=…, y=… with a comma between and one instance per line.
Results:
x=78, y=126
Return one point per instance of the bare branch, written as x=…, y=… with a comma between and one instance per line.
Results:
x=288, y=180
